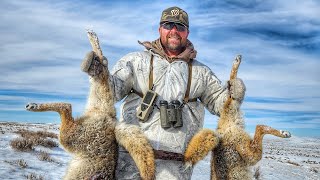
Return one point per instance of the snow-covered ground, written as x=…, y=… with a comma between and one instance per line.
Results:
x=8, y=156
x=293, y=158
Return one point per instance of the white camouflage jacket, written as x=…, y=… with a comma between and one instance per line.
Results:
x=170, y=83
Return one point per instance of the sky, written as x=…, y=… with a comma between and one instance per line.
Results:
x=44, y=42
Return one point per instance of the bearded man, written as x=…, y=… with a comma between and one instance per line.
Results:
x=167, y=69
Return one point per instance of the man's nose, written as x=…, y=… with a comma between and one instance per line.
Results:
x=174, y=28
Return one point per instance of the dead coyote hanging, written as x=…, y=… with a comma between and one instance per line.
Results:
x=93, y=137
x=233, y=151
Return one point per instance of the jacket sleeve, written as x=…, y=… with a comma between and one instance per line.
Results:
x=121, y=77
x=215, y=94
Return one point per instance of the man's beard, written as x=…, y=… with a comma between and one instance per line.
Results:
x=174, y=47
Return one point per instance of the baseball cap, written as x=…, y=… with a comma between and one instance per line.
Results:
x=175, y=14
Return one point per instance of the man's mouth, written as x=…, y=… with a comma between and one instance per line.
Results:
x=174, y=37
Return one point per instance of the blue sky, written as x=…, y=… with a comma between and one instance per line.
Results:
x=43, y=43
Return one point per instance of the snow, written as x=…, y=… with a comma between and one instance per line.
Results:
x=293, y=158
x=48, y=170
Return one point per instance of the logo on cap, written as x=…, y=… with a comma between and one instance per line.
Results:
x=174, y=12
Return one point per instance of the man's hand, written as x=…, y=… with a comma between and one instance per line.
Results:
x=237, y=89
x=92, y=65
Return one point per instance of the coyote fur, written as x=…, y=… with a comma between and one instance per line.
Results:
x=93, y=138
x=233, y=151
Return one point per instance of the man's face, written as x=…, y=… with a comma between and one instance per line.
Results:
x=173, y=40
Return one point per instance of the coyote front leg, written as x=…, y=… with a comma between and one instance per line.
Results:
x=64, y=109
x=68, y=125
x=199, y=146
x=252, y=150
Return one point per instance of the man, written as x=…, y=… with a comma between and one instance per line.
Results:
x=167, y=67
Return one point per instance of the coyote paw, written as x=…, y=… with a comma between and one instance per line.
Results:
x=31, y=106
x=285, y=134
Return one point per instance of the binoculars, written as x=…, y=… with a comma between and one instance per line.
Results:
x=170, y=114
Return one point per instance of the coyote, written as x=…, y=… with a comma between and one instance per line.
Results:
x=233, y=151
x=93, y=138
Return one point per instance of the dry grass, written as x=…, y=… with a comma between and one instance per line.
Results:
x=34, y=176
x=20, y=162
x=293, y=163
x=30, y=139
x=43, y=142
x=313, y=169
x=257, y=174
x=42, y=134
x=44, y=156
x=22, y=144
